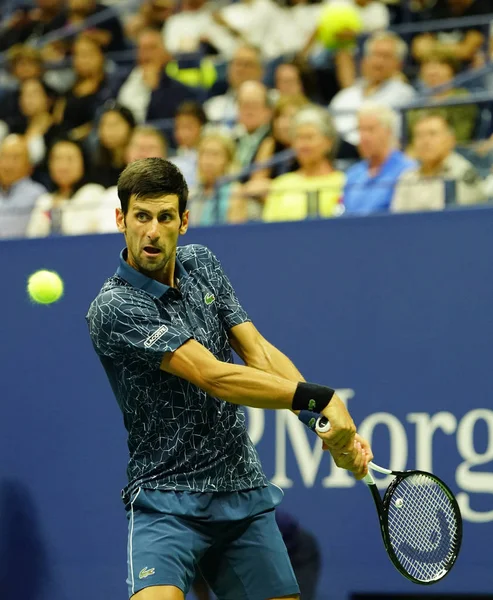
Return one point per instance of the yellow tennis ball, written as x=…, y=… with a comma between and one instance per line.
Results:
x=339, y=19
x=45, y=287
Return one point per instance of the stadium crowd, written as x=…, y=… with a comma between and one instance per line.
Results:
x=267, y=119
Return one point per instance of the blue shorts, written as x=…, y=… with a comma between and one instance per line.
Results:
x=232, y=538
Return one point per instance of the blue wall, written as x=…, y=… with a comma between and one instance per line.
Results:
x=395, y=311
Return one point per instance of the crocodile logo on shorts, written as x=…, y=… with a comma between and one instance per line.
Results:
x=146, y=572
x=209, y=298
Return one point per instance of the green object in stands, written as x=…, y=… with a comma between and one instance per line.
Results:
x=203, y=76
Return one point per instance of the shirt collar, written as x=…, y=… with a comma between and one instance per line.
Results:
x=142, y=282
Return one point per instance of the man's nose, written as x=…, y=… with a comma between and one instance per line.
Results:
x=153, y=231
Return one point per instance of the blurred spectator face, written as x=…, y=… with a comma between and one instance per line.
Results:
x=381, y=62
x=150, y=48
x=375, y=137
x=145, y=145
x=253, y=111
x=457, y=7
x=244, y=66
x=435, y=73
x=288, y=80
x=66, y=164
x=281, y=126
x=213, y=159
x=433, y=140
x=27, y=68
x=33, y=99
x=310, y=145
x=187, y=131
x=49, y=5
x=160, y=11
x=114, y=131
x=14, y=160
x=81, y=7
x=88, y=58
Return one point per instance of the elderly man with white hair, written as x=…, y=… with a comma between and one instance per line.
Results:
x=370, y=183
x=382, y=82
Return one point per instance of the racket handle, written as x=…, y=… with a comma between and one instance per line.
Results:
x=322, y=425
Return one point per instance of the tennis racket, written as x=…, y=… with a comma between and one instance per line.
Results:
x=420, y=519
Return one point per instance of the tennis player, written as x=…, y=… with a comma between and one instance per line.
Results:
x=163, y=327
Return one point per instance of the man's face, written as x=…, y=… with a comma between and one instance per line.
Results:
x=432, y=140
x=245, y=66
x=14, y=161
x=150, y=49
x=381, y=63
x=152, y=228
x=144, y=145
x=435, y=73
x=374, y=136
x=252, y=110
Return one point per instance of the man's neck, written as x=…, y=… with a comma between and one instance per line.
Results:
x=375, y=162
x=317, y=169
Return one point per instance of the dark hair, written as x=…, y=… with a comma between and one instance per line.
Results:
x=152, y=178
x=192, y=109
x=85, y=163
x=103, y=157
x=435, y=114
x=443, y=57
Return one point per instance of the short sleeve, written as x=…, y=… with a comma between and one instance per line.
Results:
x=122, y=323
x=230, y=310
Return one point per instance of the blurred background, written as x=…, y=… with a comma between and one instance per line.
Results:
x=308, y=132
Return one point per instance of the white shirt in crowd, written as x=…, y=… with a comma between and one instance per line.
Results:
x=346, y=103
x=135, y=94
x=182, y=32
x=77, y=216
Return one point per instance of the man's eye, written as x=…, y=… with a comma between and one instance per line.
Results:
x=141, y=216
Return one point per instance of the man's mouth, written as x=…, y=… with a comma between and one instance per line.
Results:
x=151, y=250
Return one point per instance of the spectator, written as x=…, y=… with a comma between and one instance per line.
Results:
x=108, y=34
x=294, y=79
x=145, y=142
x=382, y=82
x=254, y=115
x=315, y=188
x=29, y=25
x=462, y=43
x=276, y=145
x=370, y=183
x=36, y=102
x=438, y=69
x=426, y=187
x=190, y=120
x=76, y=110
x=115, y=129
x=152, y=14
x=148, y=91
x=194, y=27
x=245, y=65
x=18, y=193
x=23, y=63
x=73, y=207
x=211, y=202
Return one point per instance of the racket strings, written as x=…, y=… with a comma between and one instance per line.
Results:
x=423, y=527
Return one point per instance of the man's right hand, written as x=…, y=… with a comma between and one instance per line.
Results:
x=340, y=437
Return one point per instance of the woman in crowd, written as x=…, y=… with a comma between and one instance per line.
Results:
x=114, y=132
x=37, y=125
x=316, y=187
x=72, y=208
x=76, y=110
x=210, y=201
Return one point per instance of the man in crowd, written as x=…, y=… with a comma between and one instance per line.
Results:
x=148, y=91
x=443, y=177
x=382, y=82
x=246, y=65
x=18, y=192
x=370, y=183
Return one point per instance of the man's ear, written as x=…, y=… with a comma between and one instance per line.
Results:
x=120, y=220
x=184, y=223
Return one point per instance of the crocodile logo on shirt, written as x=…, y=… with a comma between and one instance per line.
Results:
x=146, y=572
x=209, y=298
